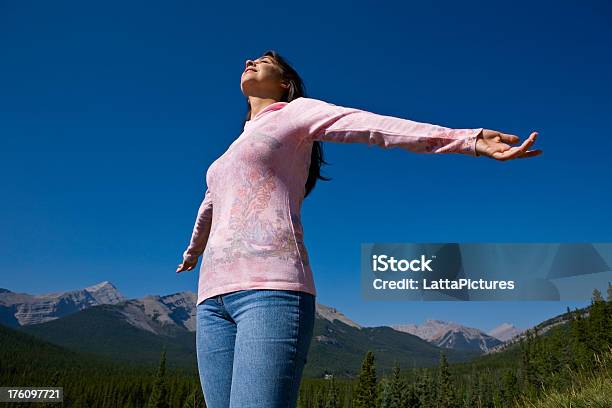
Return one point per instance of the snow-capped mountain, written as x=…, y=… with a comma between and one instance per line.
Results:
x=21, y=309
x=450, y=335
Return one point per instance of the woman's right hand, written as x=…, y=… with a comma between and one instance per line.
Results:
x=187, y=265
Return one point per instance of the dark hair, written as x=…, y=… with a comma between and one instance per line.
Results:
x=296, y=89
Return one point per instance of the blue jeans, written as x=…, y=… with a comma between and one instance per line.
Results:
x=252, y=347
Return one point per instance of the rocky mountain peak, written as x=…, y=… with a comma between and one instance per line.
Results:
x=21, y=309
x=505, y=331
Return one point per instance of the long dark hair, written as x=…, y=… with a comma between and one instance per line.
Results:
x=296, y=89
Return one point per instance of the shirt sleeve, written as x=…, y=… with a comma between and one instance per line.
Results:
x=320, y=120
x=201, y=229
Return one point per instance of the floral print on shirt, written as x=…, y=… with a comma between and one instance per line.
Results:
x=250, y=232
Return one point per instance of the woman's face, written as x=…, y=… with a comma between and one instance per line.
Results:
x=262, y=78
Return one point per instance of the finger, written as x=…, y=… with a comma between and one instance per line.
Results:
x=511, y=153
x=532, y=137
x=508, y=138
x=527, y=143
x=530, y=153
x=516, y=151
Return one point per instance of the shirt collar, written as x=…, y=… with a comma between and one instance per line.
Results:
x=272, y=107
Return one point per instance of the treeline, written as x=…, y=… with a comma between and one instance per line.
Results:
x=88, y=381
x=529, y=370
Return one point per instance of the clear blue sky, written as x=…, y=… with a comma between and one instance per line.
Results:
x=110, y=114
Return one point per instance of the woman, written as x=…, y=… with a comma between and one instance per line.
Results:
x=256, y=294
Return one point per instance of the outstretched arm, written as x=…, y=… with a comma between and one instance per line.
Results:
x=200, y=233
x=320, y=120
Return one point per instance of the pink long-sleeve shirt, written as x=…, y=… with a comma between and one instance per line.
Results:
x=248, y=226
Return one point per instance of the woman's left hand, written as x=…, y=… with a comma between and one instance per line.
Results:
x=494, y=144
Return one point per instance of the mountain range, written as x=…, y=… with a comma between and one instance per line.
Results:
x=100, y=320
x=451, y=335
x=22, y=309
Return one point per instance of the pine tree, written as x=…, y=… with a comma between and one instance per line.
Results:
x=366, y=393
x=392, y=390
x=579, y=339
x=486, y=388
x=159, y=394
x=396, y=387
x=473, y=400
x=541, y=359
x=597, y=296
x=609, y=297
x=410, y=397
x=385, y=394
x=445, y=388
x=332, y=400
x=599, y=327
x=425, y=389
x=510, y=387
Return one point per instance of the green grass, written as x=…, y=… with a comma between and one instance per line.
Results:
x=589, y=390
